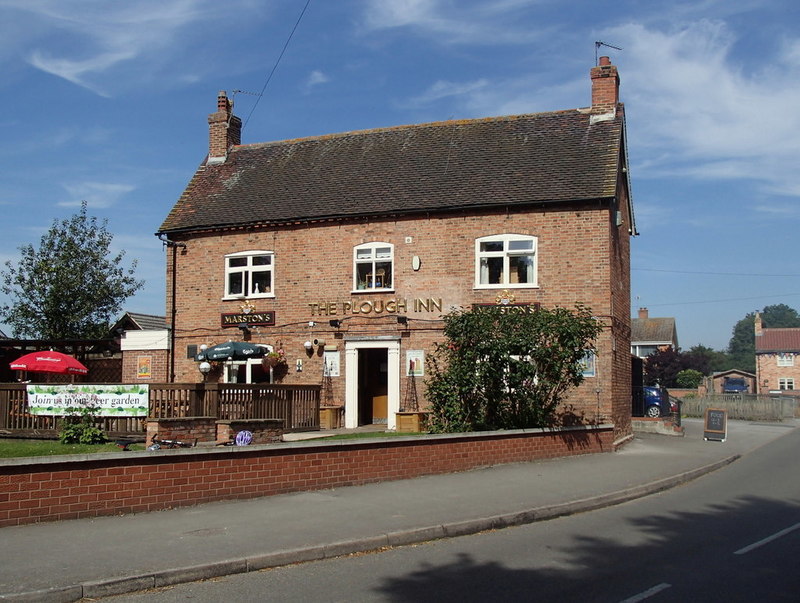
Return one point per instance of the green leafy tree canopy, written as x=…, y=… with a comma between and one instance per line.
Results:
x=71, y=286
x=505, y=370
x=689, y=378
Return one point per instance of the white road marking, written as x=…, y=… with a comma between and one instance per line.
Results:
x=648, y=593
x=767, y=540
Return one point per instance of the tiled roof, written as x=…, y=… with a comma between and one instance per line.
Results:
x=134, y=321
x=653, y=330
x=778, y=340
x=148, y=322
x=524, y=159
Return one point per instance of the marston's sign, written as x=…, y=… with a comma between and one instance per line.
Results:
x=255, y=319
x=509, y=308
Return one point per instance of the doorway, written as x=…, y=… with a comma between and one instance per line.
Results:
x=372, y=381
x=373, y=386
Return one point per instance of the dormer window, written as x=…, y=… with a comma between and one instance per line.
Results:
x=249, y=274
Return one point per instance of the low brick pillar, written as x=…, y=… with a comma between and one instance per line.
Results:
x=186, y=429
x=265, y=431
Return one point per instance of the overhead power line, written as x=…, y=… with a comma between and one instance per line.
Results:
x=713, y=273
x=718, y=301
x=277, y=62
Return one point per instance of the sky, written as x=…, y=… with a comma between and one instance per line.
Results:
x=107, y=101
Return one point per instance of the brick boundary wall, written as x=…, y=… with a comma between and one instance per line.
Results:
x=77, y=486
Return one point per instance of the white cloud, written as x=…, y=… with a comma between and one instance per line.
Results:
x=316, y=78
x=96, y=194
x=88, y=41
x=482, y=22
x=443, y=89
x=707, y=115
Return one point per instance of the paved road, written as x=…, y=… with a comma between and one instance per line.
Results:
x=731, y=536
x=68, y=560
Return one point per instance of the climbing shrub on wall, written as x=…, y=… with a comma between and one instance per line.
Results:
x=503, y=369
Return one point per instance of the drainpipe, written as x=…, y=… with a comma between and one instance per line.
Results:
x=174, y=245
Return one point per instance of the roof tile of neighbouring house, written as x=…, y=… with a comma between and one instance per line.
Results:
x=524, y=159
x=778, y=340
x=654, y=330
x=134, y=321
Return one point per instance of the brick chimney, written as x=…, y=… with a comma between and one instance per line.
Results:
x=605, y=86
x=643, y=313
x=224, y=130
x=757, y=325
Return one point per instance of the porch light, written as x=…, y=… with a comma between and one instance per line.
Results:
x=204, y=367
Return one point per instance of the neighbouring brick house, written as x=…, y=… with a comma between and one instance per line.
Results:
x=777, y=358
x=652, y=334
x=345, y=250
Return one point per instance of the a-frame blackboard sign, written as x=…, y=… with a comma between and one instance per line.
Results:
x=715, y=425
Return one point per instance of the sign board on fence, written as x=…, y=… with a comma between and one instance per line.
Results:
x=715, y=425
x=104, y=400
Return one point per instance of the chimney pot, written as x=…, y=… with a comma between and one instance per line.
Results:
x=224, y=129
x=605, y=86
x=643, y=313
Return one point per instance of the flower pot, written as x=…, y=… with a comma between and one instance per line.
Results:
x=270, y=361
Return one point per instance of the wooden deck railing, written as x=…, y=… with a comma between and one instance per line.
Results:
x=297, y=405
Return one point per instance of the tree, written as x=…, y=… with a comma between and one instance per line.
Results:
x=689, y=378
x=69, y=288
x=662, y=367
x=500, y=369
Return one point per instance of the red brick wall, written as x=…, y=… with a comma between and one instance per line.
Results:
x=159, y=366
x=583, y=256
x=770, y=374
x=137, y=482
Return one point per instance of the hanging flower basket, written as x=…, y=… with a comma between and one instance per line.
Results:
x=274, y=359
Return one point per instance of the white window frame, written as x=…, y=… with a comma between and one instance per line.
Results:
x=370, y=255
x=786, y=383
x=248, y=269
x=785, y=359
x=506, y=254
x=231, y=368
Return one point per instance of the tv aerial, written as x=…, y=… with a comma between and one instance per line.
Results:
x=597, y=46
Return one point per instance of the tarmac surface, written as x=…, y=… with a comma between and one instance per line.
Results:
x=70, y=560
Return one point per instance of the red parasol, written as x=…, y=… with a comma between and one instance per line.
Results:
x=49, y=362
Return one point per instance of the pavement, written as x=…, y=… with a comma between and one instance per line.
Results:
x=92, y=558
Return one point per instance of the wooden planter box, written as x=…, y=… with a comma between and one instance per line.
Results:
x=410, y=421
x=330, y=417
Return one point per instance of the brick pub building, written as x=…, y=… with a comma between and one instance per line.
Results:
x=345, y=250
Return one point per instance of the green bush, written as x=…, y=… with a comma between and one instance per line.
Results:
x=504, y=369
x=689, y=378
x=80, y=427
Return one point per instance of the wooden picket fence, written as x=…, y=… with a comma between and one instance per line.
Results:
x=297, y=405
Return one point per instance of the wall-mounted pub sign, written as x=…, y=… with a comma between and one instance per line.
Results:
x=251, y=319
x=508, y=308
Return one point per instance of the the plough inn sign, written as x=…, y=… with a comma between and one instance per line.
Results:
x=377, y=306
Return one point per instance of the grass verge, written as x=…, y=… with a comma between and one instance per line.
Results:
x=13, y=448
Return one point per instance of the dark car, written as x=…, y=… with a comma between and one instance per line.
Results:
x=651, y=401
